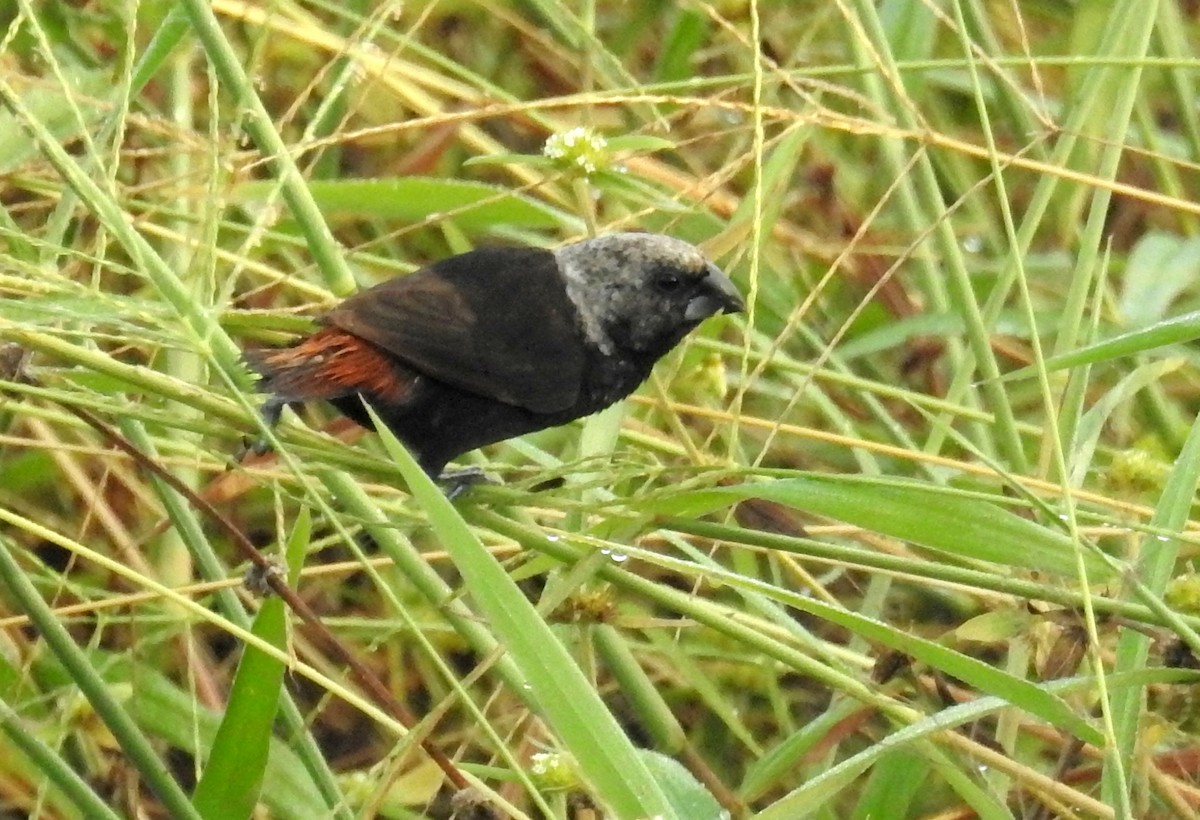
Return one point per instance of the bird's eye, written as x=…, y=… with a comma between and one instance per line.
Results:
x=667, y=282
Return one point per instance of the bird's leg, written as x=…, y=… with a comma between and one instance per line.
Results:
x=272, y=411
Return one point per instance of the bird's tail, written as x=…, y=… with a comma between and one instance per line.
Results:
x=330, y=364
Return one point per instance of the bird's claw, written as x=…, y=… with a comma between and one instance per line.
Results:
x=456, y=482
x=272, y=411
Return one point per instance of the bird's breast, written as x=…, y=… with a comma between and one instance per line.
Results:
x=609, y=379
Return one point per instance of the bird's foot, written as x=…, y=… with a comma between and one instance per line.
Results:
x=456, y=482
x=272, y=411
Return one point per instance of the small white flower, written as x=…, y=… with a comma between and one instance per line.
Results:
x=579, y=149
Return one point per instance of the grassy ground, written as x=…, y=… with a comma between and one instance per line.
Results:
x=910, y=538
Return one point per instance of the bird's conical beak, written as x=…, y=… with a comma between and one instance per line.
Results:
x=717, y=295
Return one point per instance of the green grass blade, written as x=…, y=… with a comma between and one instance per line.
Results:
x=108, y=707
x=556, y=687
x=956, y=523
x=230, y=784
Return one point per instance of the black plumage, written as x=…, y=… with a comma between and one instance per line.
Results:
x=500, y=342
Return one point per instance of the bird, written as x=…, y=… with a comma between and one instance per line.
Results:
x=499, y=341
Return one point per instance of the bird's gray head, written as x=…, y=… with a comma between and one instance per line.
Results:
x=641, y=293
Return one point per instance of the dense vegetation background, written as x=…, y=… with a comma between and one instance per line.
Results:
x=910, y=538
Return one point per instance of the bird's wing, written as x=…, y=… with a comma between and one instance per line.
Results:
x=497, y=322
